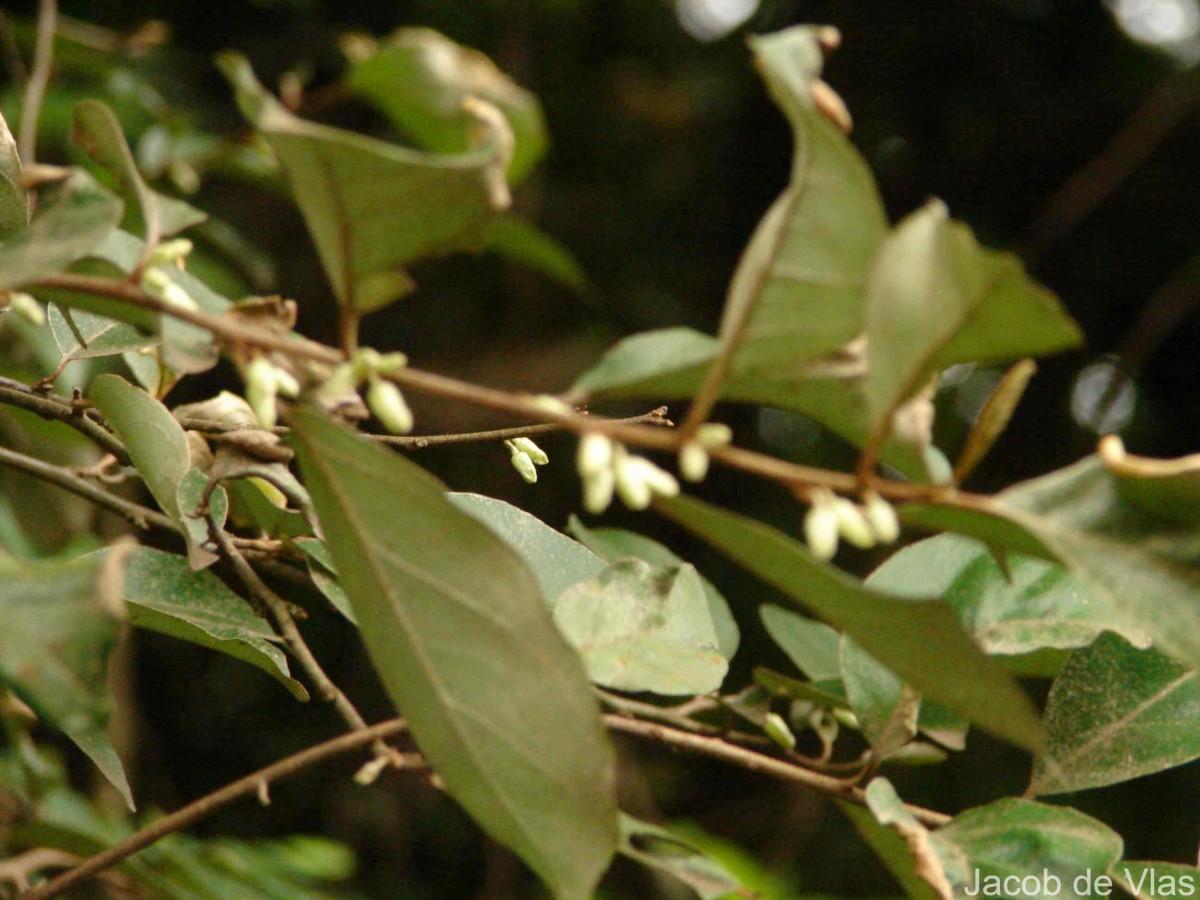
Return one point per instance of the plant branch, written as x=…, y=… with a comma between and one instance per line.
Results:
x=843, y=789
x=136, y=514
x=524, y=405
x=244, y=787
x=656, y=417
x=35, y=88
x=282, y=614
x=14, y=393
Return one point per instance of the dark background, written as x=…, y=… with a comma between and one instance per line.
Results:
x=665, y=153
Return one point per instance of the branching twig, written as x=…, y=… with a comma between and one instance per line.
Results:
x=251, y=785
x=138, y=515
x=35, y=88
x=281, y=612
x=844, y=789
x=49, y=406
x=420, y=442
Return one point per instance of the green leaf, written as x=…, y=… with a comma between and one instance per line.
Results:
x=1026, y=606
x=828, y=693
x=670, y=364
x=60, y=622
x=74, y=216
x=154, y=440
x=814, y=647
x=83, y=335
x=936, y=298
x=419, y=78
x=1128, y=559
x=1025, y=839
x=922, y=873
x=324, y=574
x=519, y=240
x=1151, y=880
x=1115, y=713
x=891, y=848
x=166, y=596
x=798, y=290
x=458, y=631
x=640, y=627
x=198, y=500
x=614, y=544
x=886, y=707
x=14, y=202
x=372, y=207
x=555, y=560
x=920, y=640
x=660, y=849
x=96, y=131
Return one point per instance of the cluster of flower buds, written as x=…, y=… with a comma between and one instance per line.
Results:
x=25, y=307
x=606, y=466
x=265, y=381
x=170, y=253
x=693, y=455
x=832, y=517
x=526, y=457
x=383, y=397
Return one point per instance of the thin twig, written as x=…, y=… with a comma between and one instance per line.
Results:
x=844, y=789
x=210, y=803
x=1160, y=112
x=35, y=88
x=14, y=393
x=136, y=514
x=282, y=614
x=420, y=442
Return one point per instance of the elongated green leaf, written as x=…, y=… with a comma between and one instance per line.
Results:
x=1127, y=558
x=1152, y=880
x=659, y=849
x=459, y=633
x=1117, y=712
x=73, y=217
x=324, y=574
x=1027, y=606
x=920, y=640
x=936, y=298
x=166, y=596
x=924, y=874
x=419, y=78
x=372, y=207
x=644, y=628
x=95, y=130
x=520, y=241
x=891, y=848
x=615, y=544
x=1022, y=839
x=1165, y=488
x=670, y=364
x=886, y=707
x=813, y=646
x=798, y=290
x=153, y=438
x=83, y=335
x=14, y=203
x=59, y=621
x=555, y=560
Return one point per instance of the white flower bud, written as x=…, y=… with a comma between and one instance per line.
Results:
x=662, y=483
x=853, y=525
x=287, y=383
x=170, y=253
x=598, y=490
x=821, y=529
x=714, y=434
x=387, y=403
x=371, y=770
x=532, y=450
x=693, y=461
x=365, y=363
x=158, y=283
x=638, y=480
x=882, y=517
x=522, y=462
x=390, y=363
x=27, y=308
x=551, y=404
x=595, y=454
x=846, y=718
x=261, y=390
x=777, y=730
